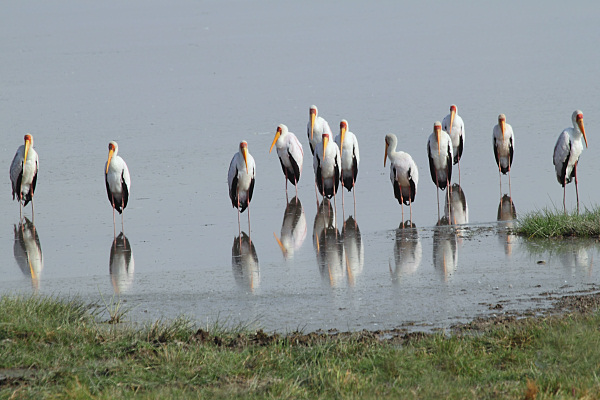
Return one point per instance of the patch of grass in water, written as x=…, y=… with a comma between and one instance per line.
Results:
x=549, y=223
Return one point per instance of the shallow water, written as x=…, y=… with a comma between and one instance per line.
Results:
x=180, y=85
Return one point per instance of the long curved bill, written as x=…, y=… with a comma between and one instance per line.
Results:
x=325, y=142
x=275, y=140
x=452, y=114
x=502, y=127
x=312, y=124
x=385, y=154
x=581, y=128
x=245, y=154
x=27, y=146
x=281, y=246
x=110, y=156
x=342, y=135
x=439, y=132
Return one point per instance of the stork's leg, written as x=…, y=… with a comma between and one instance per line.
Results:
x=296, y=186
x=410, y=202
x=238, y=211
x=354, y=195
x=458, y=171
x=249, y=230
x=20, y=207
x=576, y=189
x=112, y=203
x=437, y=192
x=402, y=204
x=500, y=180
x=509, y=188
x=565, y=193
x=32, y=211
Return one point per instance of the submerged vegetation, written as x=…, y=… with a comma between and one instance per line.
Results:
x=555, y=223
x=59, y=349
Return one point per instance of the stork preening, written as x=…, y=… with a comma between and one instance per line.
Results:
x=404, y=173
x=291, y=155
x=567, y=150
x=350, y=158
x=504, y=145
x=326, y=164
x=23, y=174
x=439, y=152
x=316, y=127
x=455, y=127
x=240, y=179
x=118, y=182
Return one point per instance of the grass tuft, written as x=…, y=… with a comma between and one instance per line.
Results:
x=549, y=223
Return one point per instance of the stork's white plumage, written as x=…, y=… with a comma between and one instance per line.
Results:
x=404, y=173
x=350, y=158
x=326, y=164
x=454, y=125
x=118, y=181
x=291, y=155
x=439, y=152
x=240, y=179
x=23, y=174
x=567, y=150
x=504, y=145
x=315, y=129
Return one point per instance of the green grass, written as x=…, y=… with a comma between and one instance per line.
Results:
x=56, y=349
x=555, y=223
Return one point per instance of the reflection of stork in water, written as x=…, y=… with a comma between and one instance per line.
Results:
x=28, y=251
x=329, y=250
x=457, y=210
x=407, y=251
x=354, y=249
x=122, y=264
x=507, y=213
x=293, y=228
x=445, y=254
x=244, y=262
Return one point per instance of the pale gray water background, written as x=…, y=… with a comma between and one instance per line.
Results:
x=180, y=84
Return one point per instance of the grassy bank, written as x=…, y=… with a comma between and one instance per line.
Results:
x=56, y=349
x=555, y=223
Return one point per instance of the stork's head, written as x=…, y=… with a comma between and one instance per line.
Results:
x=437, y=129
x=281, y=130
x=244, y=151
x=312, y=112
x=343, y=129
x=28, y=143
x=113, y=149
x=578, y=123
x=502, y=123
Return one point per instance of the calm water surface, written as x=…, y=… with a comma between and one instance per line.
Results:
x=179, y=85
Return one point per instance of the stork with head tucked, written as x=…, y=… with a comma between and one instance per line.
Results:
x=291, y=155
x=241, y=178
x=439, y=152
x=316, y=127
x=567, y=150
x=455, y=127
x=118, y=182
x=23, y=174
x=504, y=144
x=404, y=173
x=350, y=158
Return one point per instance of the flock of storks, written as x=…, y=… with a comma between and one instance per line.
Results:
x=334, y=161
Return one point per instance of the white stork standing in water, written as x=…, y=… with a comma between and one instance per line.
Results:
x=439, y=152
x=504, y=145
x=404, y=173
x=23, y=174
x=350, y=158
x=567, y=150
x=317, y=126
x=326, y=164
x=455, y=127
x=291, y=155
x=241, y=177
x=118, y=182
